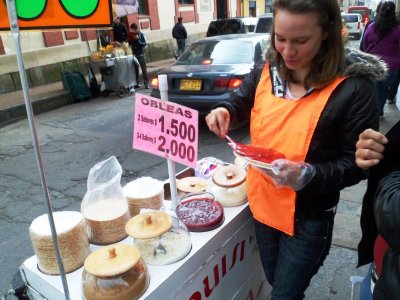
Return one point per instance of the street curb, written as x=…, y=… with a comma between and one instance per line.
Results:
x=18, y=112
x=15, y=113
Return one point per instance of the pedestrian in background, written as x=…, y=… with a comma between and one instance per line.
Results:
x=382, y=38
x=370, y=21
x=310, y=103
x=380, y=215
x=138, y=43
x=120, y=31
x=179, y=33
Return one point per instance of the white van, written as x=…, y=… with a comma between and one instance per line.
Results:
x=354, y=24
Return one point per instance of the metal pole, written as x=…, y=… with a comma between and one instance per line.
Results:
x=163, y=85
x=12, y=15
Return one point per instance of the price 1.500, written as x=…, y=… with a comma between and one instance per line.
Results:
x=179, y=128
x=176, y=149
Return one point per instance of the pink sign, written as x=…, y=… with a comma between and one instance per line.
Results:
x=166, y=129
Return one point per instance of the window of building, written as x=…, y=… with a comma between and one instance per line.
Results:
x=252, y=9
x=268, y=6
x=186, y=1
x=143, y=7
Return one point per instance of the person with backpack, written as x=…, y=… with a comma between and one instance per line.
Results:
x=138, y=43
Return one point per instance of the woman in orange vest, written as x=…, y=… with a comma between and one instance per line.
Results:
x=309, y=100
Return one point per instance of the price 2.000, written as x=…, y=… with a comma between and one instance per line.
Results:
x=176, y=149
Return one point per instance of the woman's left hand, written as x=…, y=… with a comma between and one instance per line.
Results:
x=289, y=174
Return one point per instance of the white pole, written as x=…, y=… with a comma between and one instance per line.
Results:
x=163, y=86
x=12, y=15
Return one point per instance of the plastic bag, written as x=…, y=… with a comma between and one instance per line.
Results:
x=104, y=205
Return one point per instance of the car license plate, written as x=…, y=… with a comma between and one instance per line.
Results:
x=190, y=85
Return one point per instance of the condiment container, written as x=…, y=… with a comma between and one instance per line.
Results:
x=228, y=185
x=161, y=238
x=114, y=272
x=200, y=212
x=144, y=192
x=72, y=240
x=191, y=184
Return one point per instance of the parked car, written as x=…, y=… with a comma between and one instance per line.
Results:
x=211, y=68
x=354, y=24
x=231, y=26
x=264, y=23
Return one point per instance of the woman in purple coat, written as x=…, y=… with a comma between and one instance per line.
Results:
x=382, y=38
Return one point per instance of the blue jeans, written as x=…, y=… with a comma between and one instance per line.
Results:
x=383, y=89
x=365, y=288
x=181, y=43
x=290, y=262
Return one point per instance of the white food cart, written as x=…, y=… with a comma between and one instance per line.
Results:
x=223, y=263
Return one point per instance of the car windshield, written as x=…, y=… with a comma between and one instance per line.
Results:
x=218, y=53
x=350, y=18
x=263, y=25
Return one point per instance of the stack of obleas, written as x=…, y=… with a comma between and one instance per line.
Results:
x=106, y=220
x=72, y=240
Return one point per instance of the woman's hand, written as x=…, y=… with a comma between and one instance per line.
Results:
x=369, y=148
x=289, y=174
x=218, y=121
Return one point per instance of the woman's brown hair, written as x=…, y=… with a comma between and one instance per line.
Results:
x=329, y=61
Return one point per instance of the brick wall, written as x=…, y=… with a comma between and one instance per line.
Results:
x=88, y=35
x=2, y=51
x=53, y=38
x=71, y=35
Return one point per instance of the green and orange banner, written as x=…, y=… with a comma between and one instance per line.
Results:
x=46, y=14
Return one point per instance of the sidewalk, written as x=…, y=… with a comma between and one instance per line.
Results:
x=48, y=97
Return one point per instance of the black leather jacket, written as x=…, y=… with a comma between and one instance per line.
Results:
x=390, y=163
x=352, y=107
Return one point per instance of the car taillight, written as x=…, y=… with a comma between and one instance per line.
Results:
x=358, y=25
x=154, y=83
x=206, y=61
x=235, y=83
x=223, y=83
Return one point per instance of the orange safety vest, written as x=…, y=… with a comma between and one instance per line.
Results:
x=286, y=126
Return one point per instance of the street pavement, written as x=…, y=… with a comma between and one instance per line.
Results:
x=63, y=134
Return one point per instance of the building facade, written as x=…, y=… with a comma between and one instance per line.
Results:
x=45, y=51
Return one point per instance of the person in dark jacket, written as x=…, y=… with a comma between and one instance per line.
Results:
x=179, y=33
x=120, y=31
x=379, y=154
x=309, y=101
x=137, y=41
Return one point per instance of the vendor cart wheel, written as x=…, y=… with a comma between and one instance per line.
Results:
x=122, y=91
x=105, y=93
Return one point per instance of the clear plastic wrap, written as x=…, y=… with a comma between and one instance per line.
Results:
x=104, y=205
x=289, y=174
